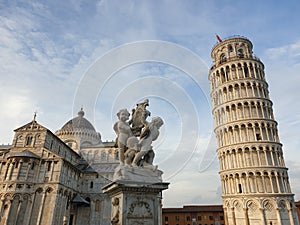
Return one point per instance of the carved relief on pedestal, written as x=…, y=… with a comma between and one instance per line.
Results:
x=140, y=211
x=115, y=211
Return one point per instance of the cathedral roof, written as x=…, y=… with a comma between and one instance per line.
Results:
x=25, y=153
x=78, y=123
x=80, y=200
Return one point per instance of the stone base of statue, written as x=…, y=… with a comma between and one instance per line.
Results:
x=136, y=195
x=148, y=174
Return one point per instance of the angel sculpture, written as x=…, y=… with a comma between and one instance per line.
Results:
x=123, y=132
x=149, y=134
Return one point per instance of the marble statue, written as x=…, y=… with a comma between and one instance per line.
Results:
x=123, y=131
x=134, y=140
x=149, y=134
x=139, y=116
x=133, y=148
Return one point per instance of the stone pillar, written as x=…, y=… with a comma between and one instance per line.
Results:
x=233, y=216
x=278, y=216
x=135, y=203
x=41, y=208
x=226, y=216
x=246, y=216
x=291, y=216
x=263, y=216
x=29, y=209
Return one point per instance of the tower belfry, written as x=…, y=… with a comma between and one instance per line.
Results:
x=255, y=184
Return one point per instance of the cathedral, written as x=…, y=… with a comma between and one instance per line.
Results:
x=49, y=178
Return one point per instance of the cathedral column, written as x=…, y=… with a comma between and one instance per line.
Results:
x=290, y=210
x=18, y=211
x=41, y=208
x=1, y=206
x=29, y=209
x=28, y=168
x=246, y=216
x=55, y=217
x=5, y=220
x=233, y=216
x=19, y=169
x=278, y=216
x=263, y=216
x=51, y=171
x=9, y=169
x=226, y=216
x=1, y=169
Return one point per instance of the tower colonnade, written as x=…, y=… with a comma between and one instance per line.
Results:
x=255, y=183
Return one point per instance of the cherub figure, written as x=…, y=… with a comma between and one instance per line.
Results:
x=149, y=134
x=123, y=132
x=133, y=149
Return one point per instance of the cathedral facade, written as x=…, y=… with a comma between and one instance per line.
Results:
x=56, y=179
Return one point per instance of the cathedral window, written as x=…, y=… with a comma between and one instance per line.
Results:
x=49, y=166
x=32, y=166
x=91, y=184
x=28, y=140
x=240, y=188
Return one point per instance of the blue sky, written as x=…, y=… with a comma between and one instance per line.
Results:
x=49, y=49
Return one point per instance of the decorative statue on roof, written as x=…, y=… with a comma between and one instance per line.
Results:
x=135, y=141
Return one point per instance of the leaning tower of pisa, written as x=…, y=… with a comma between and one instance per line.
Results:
x=255, y=184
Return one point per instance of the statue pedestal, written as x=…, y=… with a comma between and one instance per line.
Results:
x=135, y=203
x=147, y=175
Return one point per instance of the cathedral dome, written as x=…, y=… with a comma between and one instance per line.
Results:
x=78, y=123
x=79, y=132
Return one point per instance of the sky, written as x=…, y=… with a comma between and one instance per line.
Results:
x=58, y=56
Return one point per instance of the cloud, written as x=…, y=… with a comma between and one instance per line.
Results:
x=288, y=54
